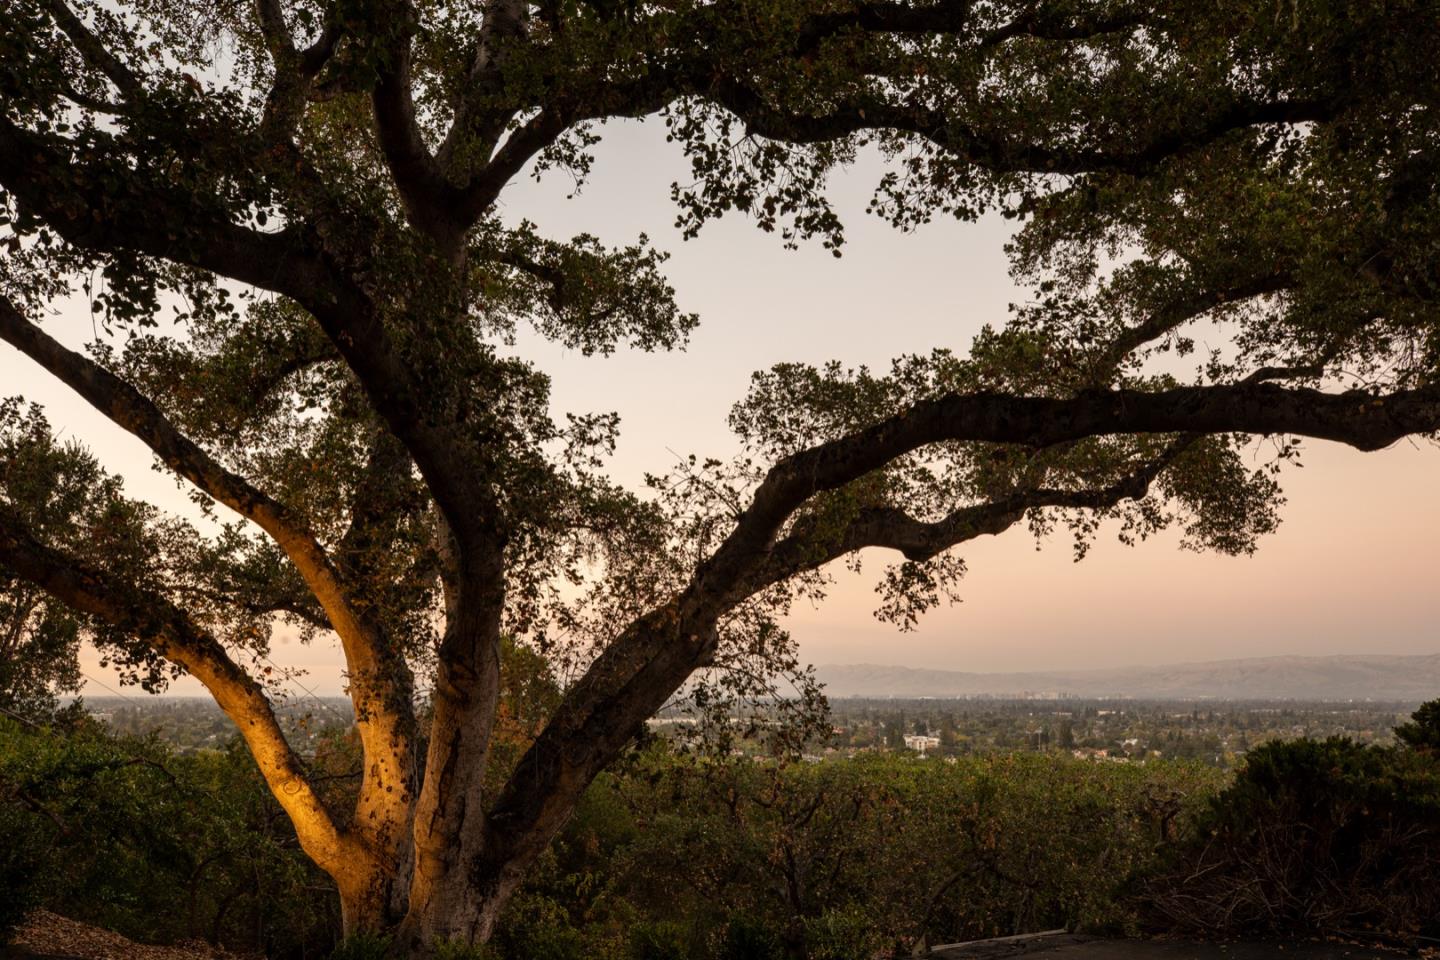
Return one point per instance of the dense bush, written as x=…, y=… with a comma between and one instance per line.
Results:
x=1422, y=733
x=1316, y=837
x=22, y=862
x=123, y=833
x=848, y=859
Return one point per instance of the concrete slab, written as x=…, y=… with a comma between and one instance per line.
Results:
x=1075, y=947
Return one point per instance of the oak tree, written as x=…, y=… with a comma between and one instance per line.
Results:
x=283, y=215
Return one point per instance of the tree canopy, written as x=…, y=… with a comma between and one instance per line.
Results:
x=61, y=490
x=284, y=217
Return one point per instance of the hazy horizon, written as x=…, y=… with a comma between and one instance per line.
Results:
x=188, y=690
x=1356, y=677
x=1350, y=570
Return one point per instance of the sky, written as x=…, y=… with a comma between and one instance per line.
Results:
x=1354, y=567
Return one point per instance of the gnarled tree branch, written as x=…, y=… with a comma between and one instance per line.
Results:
x=294, y=69
x=379, y=686
x=135, y=413
x=427, y=195
x=871, y=112
x=1362, y=420
x=892, y=528
x=474, y=131
x=176, y=637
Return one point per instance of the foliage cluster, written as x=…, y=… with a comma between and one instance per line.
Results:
x=62, y=489
x=1316, y=837
x=677, y=857
x=126, y=834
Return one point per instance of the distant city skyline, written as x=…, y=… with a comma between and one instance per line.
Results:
x=1351, y=570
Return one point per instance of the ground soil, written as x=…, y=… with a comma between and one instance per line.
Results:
x=48, y=936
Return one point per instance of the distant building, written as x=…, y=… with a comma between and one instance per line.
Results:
x=921, y=743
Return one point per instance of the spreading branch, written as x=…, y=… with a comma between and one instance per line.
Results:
x=295, y=70
x=379, y=685
x=965, y=143
x=1180, y=312
x=135, y=413
x=892, y=528
x=173, y=635
x=519, y=148
x=281, y=262
x=953, y=17
x=97, y=204
x=1361, y=420
x=94, y=51
x=475, y=130
x=427, y=195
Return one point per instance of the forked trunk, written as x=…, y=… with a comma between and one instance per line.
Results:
x=463, y=908
x=462, y=915
x=470, y=850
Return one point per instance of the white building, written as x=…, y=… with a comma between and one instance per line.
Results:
x=916, y=742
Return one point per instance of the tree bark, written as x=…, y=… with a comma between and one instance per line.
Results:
x=365, y=906
x=449, y=823
x=457, y=911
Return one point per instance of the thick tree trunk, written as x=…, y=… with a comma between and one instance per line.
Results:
x=364, y=910
x=468, y=882
x=466, y=901
x=445, y=904
x=449, y=828
x=374, y=886
x=460, y=912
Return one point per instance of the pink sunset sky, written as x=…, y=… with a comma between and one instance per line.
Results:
x=1355, y=567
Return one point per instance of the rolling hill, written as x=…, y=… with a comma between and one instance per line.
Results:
x=1362, y=677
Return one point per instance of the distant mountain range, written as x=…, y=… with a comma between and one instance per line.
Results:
x=1360, y=677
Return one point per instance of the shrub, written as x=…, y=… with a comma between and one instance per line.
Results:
x=1313, y=837
x=535, y=927
x=749, y=939
x=930, y=851
x=22, y=874
x=361, y=946
x=123, y=833
x=663, y=940
x=1423, y=731
x=846, y=933
x=459, y=950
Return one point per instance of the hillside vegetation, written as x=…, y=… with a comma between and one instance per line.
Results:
x=676, y=857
